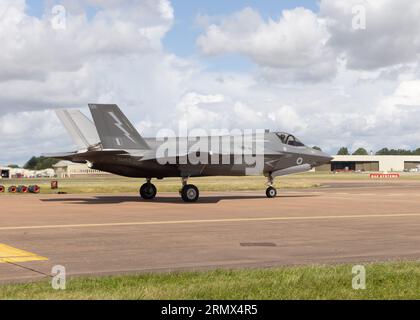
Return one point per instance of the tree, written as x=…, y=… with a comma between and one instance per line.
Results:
x=383, y=152
x=343, y=152
x=360, y=152
x=40, y=163
x=395, y=152
x=13, y=166
x=316, y=148
x=31, y=164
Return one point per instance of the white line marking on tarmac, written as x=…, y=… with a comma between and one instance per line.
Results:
x=150, y=223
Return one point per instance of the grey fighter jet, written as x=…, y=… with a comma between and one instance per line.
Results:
x=112, y=144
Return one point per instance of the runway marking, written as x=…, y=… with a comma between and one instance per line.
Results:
x=12, y=255
x=150, y=223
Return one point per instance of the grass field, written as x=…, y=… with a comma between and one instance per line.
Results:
x=113, y=184
x=383, y=281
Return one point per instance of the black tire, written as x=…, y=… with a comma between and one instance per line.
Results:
x=148, y=191
x=271, y=192
x=190, y=193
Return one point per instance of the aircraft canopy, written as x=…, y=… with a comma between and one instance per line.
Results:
x=289, y=139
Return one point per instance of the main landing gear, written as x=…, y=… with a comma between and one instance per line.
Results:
x=271, y=191
x=189, y=193
x=148, y=191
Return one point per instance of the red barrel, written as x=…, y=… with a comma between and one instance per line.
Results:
x=22, y=189
x=12, y=189
x=34, y=189
x=2, y=189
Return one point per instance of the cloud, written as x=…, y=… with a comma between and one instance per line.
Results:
x=115, y=54
x=108, y=34
x=24, y=134
x=304, y=45
x=295, y=42
x=194, y=109
x=407, y=94
x=391, y=36
x=54, y=66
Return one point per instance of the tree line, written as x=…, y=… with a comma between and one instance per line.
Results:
x=344, y=151
x=40, y=163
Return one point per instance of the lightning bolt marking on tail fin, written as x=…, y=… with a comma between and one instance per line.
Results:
x=120, y=126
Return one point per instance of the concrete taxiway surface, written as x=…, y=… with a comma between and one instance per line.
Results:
x=115, y=234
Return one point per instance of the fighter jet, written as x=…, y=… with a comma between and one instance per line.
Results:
x=112, y=144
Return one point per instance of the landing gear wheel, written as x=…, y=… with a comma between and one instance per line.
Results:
x=271, y=192
x=190, y=193
x=148, y=191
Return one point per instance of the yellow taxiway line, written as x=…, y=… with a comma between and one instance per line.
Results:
x=13, y=255
x=151, y=223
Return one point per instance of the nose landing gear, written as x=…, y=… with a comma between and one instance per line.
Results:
x=271, y=191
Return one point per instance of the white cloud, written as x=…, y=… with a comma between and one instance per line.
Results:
x=391, y=36
x=296, y=41
x=407, y=94
x=194, y=110
x=42, y=50
x=115, y=55
x=25, y=134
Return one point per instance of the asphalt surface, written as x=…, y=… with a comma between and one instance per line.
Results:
x=118, y=234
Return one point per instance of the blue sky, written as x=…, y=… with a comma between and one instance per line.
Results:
x=181, y=39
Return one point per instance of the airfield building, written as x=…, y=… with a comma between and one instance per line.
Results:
x=373, y=163
x=17, y=173
x=67, y=169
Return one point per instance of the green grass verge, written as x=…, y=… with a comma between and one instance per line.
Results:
x=384, y=281
x=126, y=185
x=113, y=184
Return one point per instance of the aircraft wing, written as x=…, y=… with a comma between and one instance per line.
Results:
x=60, y=156
x=83, y=157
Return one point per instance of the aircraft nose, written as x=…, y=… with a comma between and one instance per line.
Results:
x=325, y=158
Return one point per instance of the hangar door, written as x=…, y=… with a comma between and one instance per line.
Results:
x=355, y=166
x=343, y=166
x=5, y=174
x=409, y=165
x=367, y=166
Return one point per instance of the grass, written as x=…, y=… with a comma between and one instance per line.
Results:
x=114, y=184
x=126, y=185
x=399, y=280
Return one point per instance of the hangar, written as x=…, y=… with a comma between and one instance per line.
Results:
x=372, y=163
x=67, y=169
x=18, y=173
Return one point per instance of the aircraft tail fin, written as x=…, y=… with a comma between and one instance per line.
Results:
x=115, y=130
x=80, y=128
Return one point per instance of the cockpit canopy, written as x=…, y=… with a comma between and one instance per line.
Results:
x=289, y=139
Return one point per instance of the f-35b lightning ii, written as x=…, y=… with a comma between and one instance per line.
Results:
x=112, y=144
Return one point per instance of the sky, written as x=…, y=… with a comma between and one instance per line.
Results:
x=334, y=73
